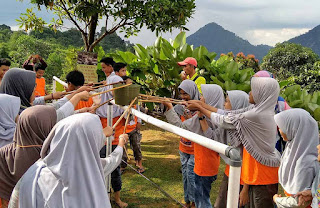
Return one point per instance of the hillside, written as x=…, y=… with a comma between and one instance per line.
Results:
x=310, y=39
x=215, y=38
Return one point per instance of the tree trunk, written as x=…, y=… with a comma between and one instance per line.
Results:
x=92, y=31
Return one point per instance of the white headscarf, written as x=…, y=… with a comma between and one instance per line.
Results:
x=256, y=129
x=299, y=163
x=213, y=95
x=191, y=89
x=71, y=154
x=239, y=99
x=9, y=109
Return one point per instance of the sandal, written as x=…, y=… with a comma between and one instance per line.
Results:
x=141, y=170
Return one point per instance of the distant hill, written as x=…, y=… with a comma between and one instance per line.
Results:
x=216, y=39
x=310, y=39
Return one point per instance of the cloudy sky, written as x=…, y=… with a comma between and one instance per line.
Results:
x=258, y=21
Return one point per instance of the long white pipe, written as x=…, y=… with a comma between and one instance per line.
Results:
x=203, y=141
x=60, y=81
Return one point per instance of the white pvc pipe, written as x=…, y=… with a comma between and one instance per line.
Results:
x=203, y=141
x=60, y=81
x=233, y=187
x=109, y=144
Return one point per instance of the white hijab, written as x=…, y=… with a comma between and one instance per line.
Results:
x=256, y=129
x=213, y=95
x=71, y=154
x=299, y=163
x=238, y=99
x=9, y=109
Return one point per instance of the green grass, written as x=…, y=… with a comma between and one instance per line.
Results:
x=162, y=163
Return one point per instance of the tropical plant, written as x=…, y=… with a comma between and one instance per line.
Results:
x=300, y=98
x=155, y=67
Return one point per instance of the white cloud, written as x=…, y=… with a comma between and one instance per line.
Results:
x=273, y=36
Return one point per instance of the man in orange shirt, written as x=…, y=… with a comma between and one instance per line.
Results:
x=40, y=81
x=107, y=67
x=75, y=80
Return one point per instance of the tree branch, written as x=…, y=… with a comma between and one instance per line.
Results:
x=84, y=35
x=120, y=24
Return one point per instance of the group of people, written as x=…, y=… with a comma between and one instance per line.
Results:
x=257, y=124
x=54, y=154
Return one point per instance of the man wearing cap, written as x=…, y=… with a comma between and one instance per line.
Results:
x=189, y=67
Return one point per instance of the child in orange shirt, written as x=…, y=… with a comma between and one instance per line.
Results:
x=133, y=131
x=75, y=80
x=40, y=81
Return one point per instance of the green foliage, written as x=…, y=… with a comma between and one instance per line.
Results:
x=22, y=46
x=155, y=67
x=128, y=16
x=226, y=73
x=300, y=98
x=289, y=59
x=310, y=80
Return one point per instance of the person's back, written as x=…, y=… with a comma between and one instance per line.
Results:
x=55, y=182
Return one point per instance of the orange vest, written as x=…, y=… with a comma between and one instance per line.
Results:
x=41, y=87
x=119, y=128
x=83, y=104
x=186, y=145
x=206, y=161
x=254, y=173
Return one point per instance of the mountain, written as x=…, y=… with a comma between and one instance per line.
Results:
x=310, y=39
x=215, y=38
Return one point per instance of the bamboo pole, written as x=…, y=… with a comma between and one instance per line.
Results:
x=156, y=97
x=99, y=93
x=96, y=87
x=124, y=131
x=118, y=121
x=98, y=106
x=161, y=101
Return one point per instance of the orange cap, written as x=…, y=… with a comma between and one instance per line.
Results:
x=188, y=60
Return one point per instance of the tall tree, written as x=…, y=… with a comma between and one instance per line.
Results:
x=289, y=59
x=128, y=16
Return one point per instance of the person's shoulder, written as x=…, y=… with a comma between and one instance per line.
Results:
x=201, y=79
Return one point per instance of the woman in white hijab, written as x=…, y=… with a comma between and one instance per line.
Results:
x=71, y=172
x=206, y=161
x=299, y=164
x=255, y=129
x=9, y=110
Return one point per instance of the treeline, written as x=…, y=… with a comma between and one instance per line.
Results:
x=58, y=48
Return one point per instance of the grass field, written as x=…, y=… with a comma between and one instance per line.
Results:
x=162, y=163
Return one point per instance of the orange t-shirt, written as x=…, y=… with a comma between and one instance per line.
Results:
x=41, y=87
x=83, y=104
x=130, y=128
x=206, y=161
x=119, y=128
x=186, y=145
x=254, y=173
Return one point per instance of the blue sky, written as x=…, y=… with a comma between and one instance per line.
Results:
x=258, y=21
